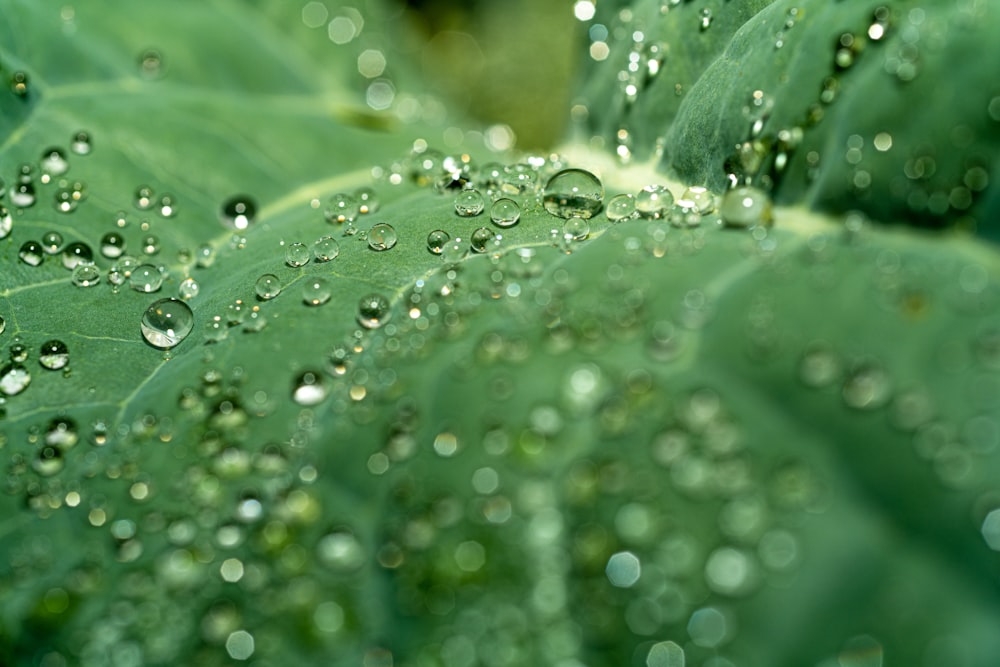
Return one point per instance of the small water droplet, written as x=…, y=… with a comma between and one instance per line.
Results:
x=373, y=311
x=76, y=253
x=146, y=278
x=436, y=241
x=14, y=378
x=150, y=245
x=481, y=238
x=454, y=251
x=204, y=257
x=19, y=83
x=745, y=207
x=704, y=19
x=82, y=143
x=621, y=207
x=112, y=245
x=166, y=323
x=143, y=199
x=867, y=387
x=382, y=237
x=18, y=352
x=469, y=203
x=367, y=200
x=505, y=212
x=52, y=242
x=236, y=312
x=573, y=193
x=576, y=229
x=316, y=291
x=297, y=254
x=151, y=64
x=53, y=162
x=48, y=461
x=326, y=249
x=22, y=194
x=86, y=275
x=653, y=201
x=6, y=219
x=698, y=199
x=188, y=289
x=215, y=330
x=167, y=207
x=342, y=208
x=31, y=253
x=54, y=355
x=309, y=389
x=65, y=200
x=267, y=286
x=3, y=325
x=238, y=212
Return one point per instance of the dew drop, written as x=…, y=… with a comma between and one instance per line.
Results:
x=146, y=278
x=112, y=245
x=49, y=461
x=151, y=64
x=745, y=207
x=167, y=207
x=316, y=291
x=65, y=200
x=326, y=249
x=18, y=352
x=621, y=207
x=367, y=200
x=82, y=143
x=143, y=199
x=454, y=251
x=297, y=254
x=653, y=201
x=76, y=253
x=505, y=212
x=86, y=275
x=204, y=257
x=52, y=242
x=22, y=194
x=382, y=237
x=698, y=199
x=53, y=162
x=705, y=19
x=14, y=378
x=19, y=82
x=238, y=212
x=373, y=311
x=6, y=220
x=236, y=312
x=3, y=325
x=576, y=229
x=31, y=253
x=150, y=245
x=867, y=387
x=342, y=208
x=166, y=323
x=309, y=389
x=215, y=330
x=573, y=193
x=267, y=286
x=481, y=239
x=54, y=355
x=188, y=289
x=469, y=203
x=437, y=240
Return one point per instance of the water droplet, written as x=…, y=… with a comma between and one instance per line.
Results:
x=204, y=257
x=151, y=64
x=146, y=278
x=698, y=199
x=436, y=241
x=22, y=194
x=52, y=242
x=188, y=289
x=112, y=245
x=82, y=143
x=54, y=355
x=150, y=245
x=65, y=200
x=215, y=330
x=505, y=212
x=573, y=193
x=166, y=323
x=367, y=200
x=297, y=254
x=238, y=212
x=86, y=275
x=19, y=83
x=454, y=251
x=326, y=249
x=373, y=311
x=819, y=366
x=6, y=220
x=576, y=229
x=76, y=253
x=3, y=325
x=469, y=203
x=382, y=237
x=143, y=199
x=705, y=19
x=653, y=201
x=745, y=207
x=48, y=461
x=14, y=378
x=481, y=239
x=167, y=207
x=18, y=352
x=236, y=312
x=867, y=387
x=342, y=208
x=316, y=291
x=267, y=286
x=53, y=162
x=31, y=253
x=621, y=207
x=309, y=389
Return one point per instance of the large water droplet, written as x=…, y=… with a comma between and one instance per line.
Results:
x=382, y=237
x=53, y=162
x=238, y=212
x=505, y=212
x=52, y=242
x=146, y=278
x=573, y=193
x=309, y=389
x=297, y=254
x=326, y=249
x=469, y=203
x=86, y=275
x=82, y=143
x=48, y=461
x=745, y=207
x=14, y=378
x=436, y=241
x=316, y=291
x=481, y=239
x=76, y=253
x=166, y=323
x=112, y=245
x=342, y=208
x=188, y=289
x=621, y=207
x=373, y=311
x=653, y=201
x=267, y=286
x=6, y=221
x=31, y=253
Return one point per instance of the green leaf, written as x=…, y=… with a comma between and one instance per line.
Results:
x=591, y=443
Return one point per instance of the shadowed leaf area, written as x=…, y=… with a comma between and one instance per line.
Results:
x=304, y=363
